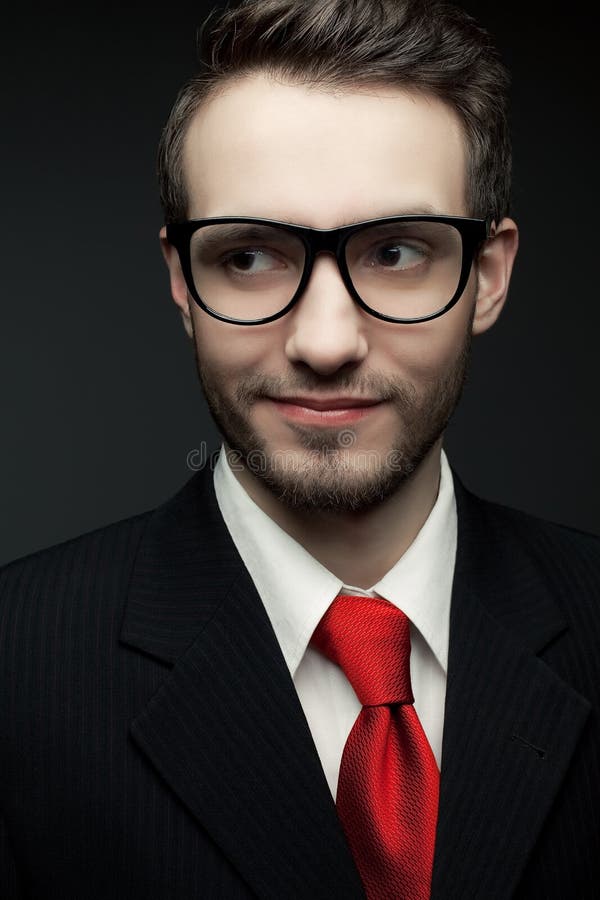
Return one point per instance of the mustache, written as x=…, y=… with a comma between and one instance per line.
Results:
x=375, y=385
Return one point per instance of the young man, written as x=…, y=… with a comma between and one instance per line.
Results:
x=215, y=699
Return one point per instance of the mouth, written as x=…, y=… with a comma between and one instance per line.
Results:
x=325, y=411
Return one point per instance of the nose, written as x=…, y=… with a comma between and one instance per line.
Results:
x=327, y=329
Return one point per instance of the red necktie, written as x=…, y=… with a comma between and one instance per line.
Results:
x=387, y=797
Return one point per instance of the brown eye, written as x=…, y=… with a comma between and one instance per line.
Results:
x=398, y=256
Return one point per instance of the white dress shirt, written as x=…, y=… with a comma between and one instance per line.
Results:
x=296, y=591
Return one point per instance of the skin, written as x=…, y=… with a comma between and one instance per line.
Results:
x=325, y=158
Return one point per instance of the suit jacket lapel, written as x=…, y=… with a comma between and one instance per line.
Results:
x=511, y=724
x=226, y=729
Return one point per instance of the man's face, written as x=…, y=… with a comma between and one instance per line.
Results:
x=329, y=406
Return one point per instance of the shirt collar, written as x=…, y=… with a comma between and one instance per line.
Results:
x=296, y=589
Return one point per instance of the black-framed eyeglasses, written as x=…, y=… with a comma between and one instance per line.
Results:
x=401, y=269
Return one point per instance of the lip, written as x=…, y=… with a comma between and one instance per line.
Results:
x=325, y=410
x=327, y=403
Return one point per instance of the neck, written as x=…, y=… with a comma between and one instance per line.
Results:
x=359, y=548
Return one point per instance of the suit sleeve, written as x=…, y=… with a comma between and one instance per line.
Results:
x=9, y=879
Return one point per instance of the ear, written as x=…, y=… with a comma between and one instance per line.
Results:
x=179, y=290
x=494, y=268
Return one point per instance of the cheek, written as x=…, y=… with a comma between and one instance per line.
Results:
x=435, y=346
x=427, y=349
x=231, y=351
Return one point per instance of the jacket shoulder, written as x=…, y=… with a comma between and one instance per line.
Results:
x=553, y=542
x=526, y=555
x=69, y=564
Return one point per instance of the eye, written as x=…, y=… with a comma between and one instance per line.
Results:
x=251, y=261
x=397, y=256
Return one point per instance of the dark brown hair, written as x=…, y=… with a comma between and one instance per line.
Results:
x=428, y=46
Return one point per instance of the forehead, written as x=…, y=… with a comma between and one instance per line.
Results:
x=323, y=157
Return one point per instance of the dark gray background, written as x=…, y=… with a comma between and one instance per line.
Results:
x=100, y=402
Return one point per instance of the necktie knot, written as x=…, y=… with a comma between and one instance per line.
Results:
x=369, y=638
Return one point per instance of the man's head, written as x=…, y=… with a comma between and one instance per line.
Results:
x=325, y=114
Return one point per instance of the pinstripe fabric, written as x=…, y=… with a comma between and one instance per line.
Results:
x=152, y=744
x=521, y=770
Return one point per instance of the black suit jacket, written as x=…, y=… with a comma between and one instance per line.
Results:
x=152, y=744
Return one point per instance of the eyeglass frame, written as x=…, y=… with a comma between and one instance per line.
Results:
x=473, y=233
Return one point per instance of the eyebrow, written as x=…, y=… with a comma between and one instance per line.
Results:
x=424, y=209
x=252, y=230
x=236, y=230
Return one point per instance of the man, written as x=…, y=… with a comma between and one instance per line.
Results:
x=193, y=699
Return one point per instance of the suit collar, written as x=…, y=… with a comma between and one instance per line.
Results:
x=186, y=554
x=497, y=562
x=185, y=566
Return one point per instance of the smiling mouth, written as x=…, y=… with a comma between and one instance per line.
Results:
x=329, y=411
x=327, y=403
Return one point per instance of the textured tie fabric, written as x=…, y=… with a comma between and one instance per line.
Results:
x=388, y=786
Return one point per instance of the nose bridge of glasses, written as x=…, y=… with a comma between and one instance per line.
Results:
x=328, y=241
x=324, y=241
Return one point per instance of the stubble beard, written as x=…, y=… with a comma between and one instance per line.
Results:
x=328, y=474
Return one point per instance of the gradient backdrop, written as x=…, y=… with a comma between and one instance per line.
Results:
x=100, y=402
